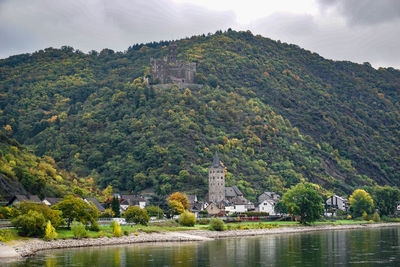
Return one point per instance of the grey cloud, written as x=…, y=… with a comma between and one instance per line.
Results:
x=365, y=12
x=26, y=25
x=377, y=44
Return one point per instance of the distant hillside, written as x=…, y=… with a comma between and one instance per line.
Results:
x=21, y=172
x=276, y=113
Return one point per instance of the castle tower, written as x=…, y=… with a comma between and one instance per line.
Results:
x=172, y=53
x=216, y=180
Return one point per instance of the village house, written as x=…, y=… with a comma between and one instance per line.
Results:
x=131, y=200
x=97, y=204
x=337, y=202
x=267, y=202
x=20, y=198
x=51, y=201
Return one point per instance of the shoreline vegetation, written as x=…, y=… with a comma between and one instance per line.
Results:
x=28, y=247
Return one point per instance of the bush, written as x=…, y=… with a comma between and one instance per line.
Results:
x=136, y=215
x=216, y=224
x=50, y=232
x=30, y=224
x=187, y=219
x=203, y=221
x=49, y=214
x=5, y=212
x=6, y=235
x=94, y=227
x=116, y=229
x=78, y=229
x=365, y=216
x=376, y=217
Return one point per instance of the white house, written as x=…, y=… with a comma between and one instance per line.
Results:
x=337, y=202
x=266, y=206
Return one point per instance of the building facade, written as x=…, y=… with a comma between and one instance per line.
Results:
x=216, y=181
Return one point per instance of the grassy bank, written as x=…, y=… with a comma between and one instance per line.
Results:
x=7, y=235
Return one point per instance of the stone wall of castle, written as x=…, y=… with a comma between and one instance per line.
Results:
x=171, y=70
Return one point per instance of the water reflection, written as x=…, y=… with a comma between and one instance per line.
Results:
x=370, y=247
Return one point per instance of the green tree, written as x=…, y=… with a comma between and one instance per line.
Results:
x=154, y=211
x=49, y=214
x=115, y=207
x=360, y=202
x=385, y=199
x=136, y=215
x=30, y=224
x=304, y=201
x=78, y=229
x=77, y=209
x=116, y=229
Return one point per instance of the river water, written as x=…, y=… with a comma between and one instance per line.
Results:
x=369, y=247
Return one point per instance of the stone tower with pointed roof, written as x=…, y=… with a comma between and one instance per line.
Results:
x=216, y=181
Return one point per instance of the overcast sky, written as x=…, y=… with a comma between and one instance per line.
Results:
x=355, y=30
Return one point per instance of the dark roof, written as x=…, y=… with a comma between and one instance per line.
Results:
x=269, y=196
x=232, y=191
x=216, y=163
x=197, y=206
x=53, y=200
x=131, y=200
x=240, y=200
x=21, y=198
x=98, y=205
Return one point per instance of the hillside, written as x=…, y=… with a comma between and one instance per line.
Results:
x=276, y=113
x=21, y=172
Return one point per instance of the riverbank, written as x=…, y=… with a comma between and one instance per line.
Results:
x=31, y=246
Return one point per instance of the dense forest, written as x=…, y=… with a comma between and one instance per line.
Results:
x=22, y=172
x=277, y=114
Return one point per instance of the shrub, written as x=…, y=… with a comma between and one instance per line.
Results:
x=94, y=227
x=6, y=235
x=49, y=214
x=365, y=216
x=136, y=215
x=50, y=232
x=101, y=234
x=216, y=224
x=203, y=221
x=126, y=232
x=187, y=219
x=376, y=217
x=116, y=229
x=5, y=212
x=78, y=229
x=30, y=224
x=349, y=217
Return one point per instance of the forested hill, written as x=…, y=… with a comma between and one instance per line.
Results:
x=276, y=113
x=21, y=172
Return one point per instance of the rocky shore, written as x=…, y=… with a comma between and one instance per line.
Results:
x=31, y=246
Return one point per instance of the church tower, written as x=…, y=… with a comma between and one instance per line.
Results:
x=216, y=180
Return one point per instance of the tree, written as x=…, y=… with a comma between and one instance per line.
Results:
x=360, y=202
x=22, y=208
x=136, y=215
x=50, y=232
x=304, y=201
x=115, y=207
x=154, y=211
x=175, y=208
x=281, y=208
x=77, y=209
x=181, y=198
x=116, y=229
x=30, y=224
x=385, y=199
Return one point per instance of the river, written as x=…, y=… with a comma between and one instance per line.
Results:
x=367, y=247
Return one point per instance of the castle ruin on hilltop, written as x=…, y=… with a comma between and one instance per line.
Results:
x=170, y=70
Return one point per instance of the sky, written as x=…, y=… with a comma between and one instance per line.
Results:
x=354, y=30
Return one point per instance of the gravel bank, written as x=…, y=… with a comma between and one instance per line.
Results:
x=30, y=247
